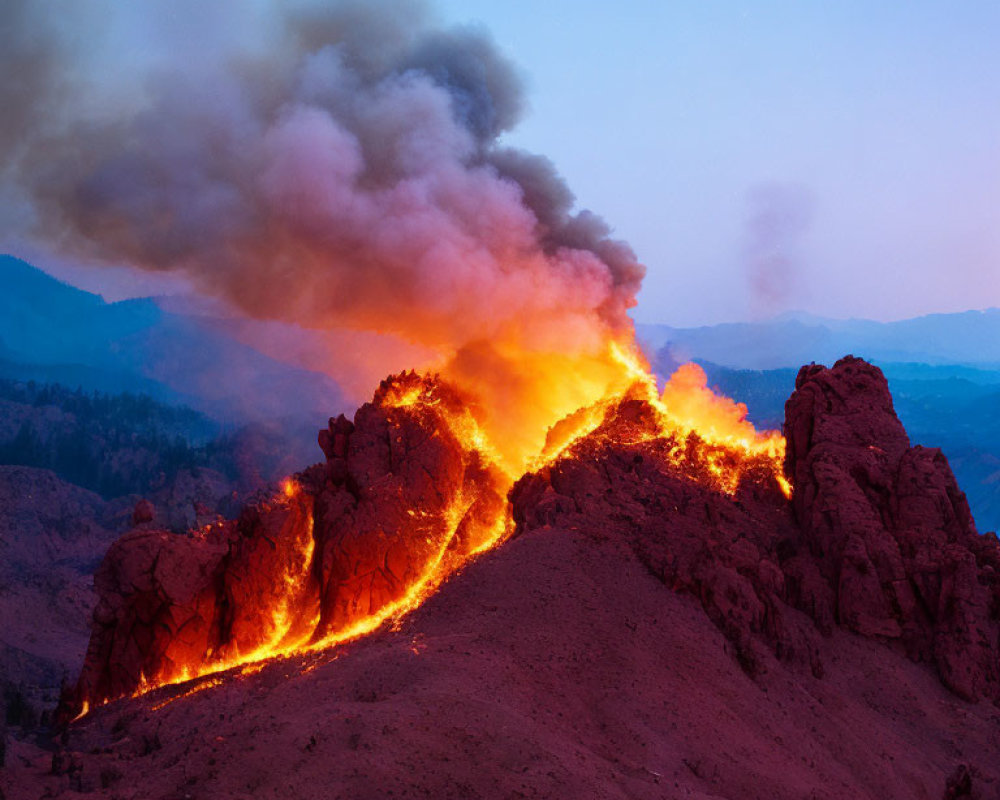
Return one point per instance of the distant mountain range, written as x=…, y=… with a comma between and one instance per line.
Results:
x=53, y=332
x=969, y=338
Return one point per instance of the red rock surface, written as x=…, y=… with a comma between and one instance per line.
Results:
x=555, y=666
x=889, y=530
x=383, y=512
x=641, y=635
x=350, y=539
x=878, y=539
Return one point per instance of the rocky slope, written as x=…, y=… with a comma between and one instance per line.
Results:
x=641, y=635
x=53, y=535
x=555, y=666
x=878, y=538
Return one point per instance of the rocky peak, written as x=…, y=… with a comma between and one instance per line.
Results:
x=877, y=539
x=889, y=529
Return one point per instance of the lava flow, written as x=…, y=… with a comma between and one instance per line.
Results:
x=410, y=490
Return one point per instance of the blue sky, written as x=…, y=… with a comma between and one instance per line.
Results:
x=876, y=126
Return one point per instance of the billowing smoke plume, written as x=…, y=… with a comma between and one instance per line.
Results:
x=342, y=172
x=333, y=166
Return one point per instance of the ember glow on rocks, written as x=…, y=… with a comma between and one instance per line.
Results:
x=626, y=560
x=410, y=491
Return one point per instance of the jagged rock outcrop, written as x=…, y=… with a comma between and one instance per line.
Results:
x=727, y=551
x=877, y=539
x=167, y=602
x=399, y=491
x=889, y=529
x=399, y=486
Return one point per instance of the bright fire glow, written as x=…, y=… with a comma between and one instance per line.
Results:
x=685, y=412
x=687, y=406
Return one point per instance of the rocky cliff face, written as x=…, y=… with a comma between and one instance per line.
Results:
x=398, y=494
x=889, y=530
x=877, y=539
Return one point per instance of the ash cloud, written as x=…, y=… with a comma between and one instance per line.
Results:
x=334, y=166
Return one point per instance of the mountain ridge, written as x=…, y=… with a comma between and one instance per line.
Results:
x=50, y=330
x=641, y=634
x=970, y=338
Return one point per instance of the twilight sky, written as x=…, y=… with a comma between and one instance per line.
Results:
x=841, y=158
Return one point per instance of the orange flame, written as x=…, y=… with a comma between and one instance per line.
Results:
x=686, y=410
x=688, y=407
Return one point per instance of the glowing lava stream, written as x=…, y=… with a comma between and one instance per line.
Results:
x=685, y=408
x=278, y=648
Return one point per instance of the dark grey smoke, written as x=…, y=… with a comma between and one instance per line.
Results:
x=332, y=165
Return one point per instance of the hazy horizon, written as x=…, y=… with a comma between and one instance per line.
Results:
x=114, y=284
